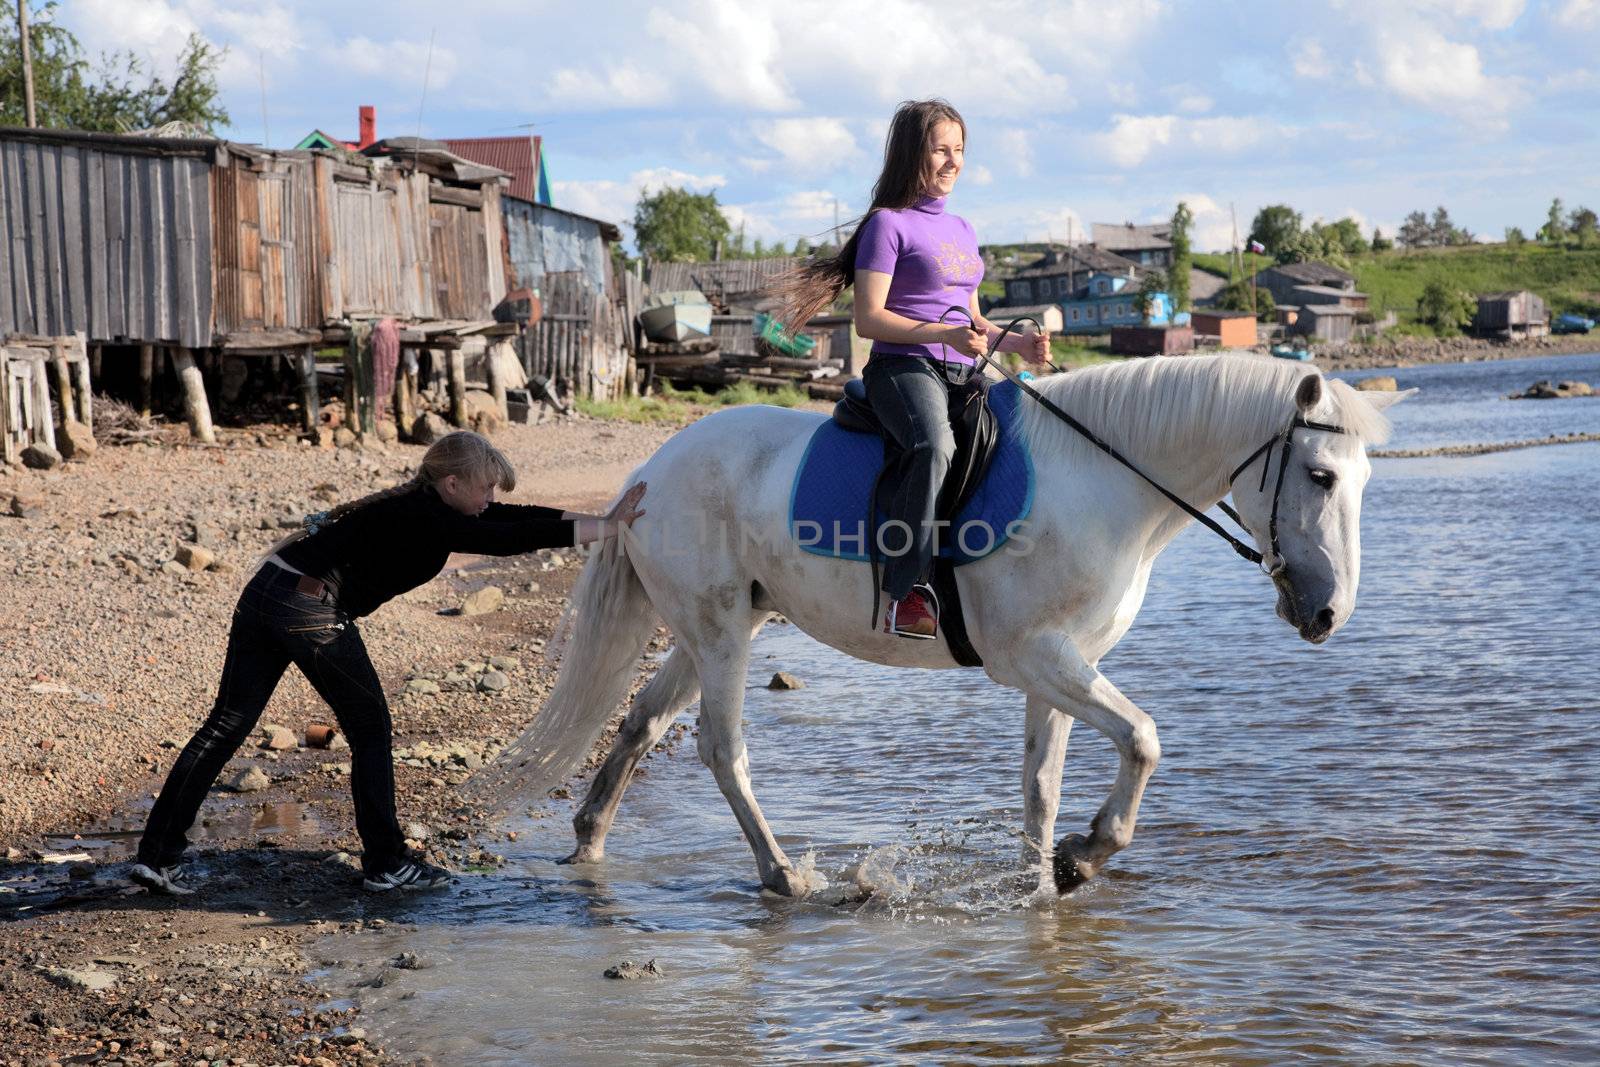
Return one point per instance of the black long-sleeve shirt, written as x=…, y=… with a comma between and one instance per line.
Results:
x=390, y=546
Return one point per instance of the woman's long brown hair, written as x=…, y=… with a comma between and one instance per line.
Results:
x=808, y=289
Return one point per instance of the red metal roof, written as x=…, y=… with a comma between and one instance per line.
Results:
x=517, y=156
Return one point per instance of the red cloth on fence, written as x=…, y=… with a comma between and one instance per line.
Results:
x=385, y=358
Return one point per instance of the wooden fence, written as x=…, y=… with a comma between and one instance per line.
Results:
x=584, y=340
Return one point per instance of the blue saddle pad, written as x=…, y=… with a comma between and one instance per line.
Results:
x=828, y=505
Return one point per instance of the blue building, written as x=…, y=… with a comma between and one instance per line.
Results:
x=1112, y=300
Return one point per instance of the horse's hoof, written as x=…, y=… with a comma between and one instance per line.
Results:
x=1072, y=866
x=583, y=854
x=787, y=883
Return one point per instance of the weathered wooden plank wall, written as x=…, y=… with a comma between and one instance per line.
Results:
x=114, y=244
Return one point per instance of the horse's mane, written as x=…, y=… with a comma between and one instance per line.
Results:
x=1173, y=403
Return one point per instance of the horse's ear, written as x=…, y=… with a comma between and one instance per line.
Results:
x=1308, y=394
x=1384, y=399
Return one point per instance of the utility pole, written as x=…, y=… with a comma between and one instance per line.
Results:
x=27, y=61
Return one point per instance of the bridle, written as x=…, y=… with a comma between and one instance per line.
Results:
x=1285, y=438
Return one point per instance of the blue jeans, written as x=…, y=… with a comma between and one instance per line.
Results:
x=275, y=624
x=911, y=398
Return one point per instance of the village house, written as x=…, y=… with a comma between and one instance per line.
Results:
x=1061, y=273
x=1511, y=314
x=1148, y=246
x=1325, y=284
x=1112, y=300
x=1047, y=315
x=1231, y=329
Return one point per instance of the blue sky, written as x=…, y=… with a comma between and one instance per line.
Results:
x=1077, y=111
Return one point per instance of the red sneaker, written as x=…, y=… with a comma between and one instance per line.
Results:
x=916, y=617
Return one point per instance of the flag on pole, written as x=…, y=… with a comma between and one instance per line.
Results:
x=1257, y=247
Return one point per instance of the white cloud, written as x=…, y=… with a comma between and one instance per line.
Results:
x=1195, y=104
x=1424, y=66
x=1490, y=14
x=151, y=29
x=810, y=144
x=1134, y=138
x=614, y=201
x=618, y=86
x=1309, y=59
x=1013, y=152
x=979, y=175
x=400, y=62
x=733, y=47
x=1578, y=14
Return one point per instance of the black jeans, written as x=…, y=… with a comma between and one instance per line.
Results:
x=911, y=398
x=275, y=625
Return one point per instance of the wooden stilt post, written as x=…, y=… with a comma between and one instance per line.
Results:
x=63, y=375
x=8, y=451
x=86, y=390
x=44, y=425
x=196, y=408
x=458, y=385
x=310, y=405
x=96, y=359
x=403, y=411
x=146, y=375
x=497, y=384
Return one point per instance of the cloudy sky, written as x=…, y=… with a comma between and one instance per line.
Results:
x=1077, y=111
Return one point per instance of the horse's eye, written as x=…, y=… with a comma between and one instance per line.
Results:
x=1322, y=477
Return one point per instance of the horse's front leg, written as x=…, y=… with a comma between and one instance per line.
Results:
x=1050, y=668
x=1043, y=754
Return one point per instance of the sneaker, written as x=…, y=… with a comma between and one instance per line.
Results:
x=916, y=617
x=166, y=881
x=410, y=875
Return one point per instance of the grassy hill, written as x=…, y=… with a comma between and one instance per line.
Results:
x=1568, y=279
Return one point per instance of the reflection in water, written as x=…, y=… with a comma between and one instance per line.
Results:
x=1379, y=850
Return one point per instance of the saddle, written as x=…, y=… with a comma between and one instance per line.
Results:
x=977, y=435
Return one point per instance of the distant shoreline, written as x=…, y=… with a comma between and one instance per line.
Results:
x=1415, y=351
x=1481, y=449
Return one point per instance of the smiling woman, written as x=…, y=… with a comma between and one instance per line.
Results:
x=916, y=271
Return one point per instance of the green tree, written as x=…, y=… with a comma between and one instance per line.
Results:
x=1145, y=299
x=1447, y=310
x=1416, y=231
x=675, y=225
x=120, y=95
x=1584, y=226
x=1515, y=237
x=1275, y=226
x=1178, y=280
x=1554, y=230
x=1380, y=243
x=1344, y=235
x=1236, y=297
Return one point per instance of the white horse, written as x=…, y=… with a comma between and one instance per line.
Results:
x=714, y=558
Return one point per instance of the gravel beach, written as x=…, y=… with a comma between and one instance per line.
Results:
x=112, y=651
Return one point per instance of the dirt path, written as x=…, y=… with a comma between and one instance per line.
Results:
x=112, y=653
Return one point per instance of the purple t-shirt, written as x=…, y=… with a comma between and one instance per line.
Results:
x=932, y=258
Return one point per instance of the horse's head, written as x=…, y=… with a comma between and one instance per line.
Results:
x=1313, y=551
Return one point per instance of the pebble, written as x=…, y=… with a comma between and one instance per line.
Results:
x=252, y=780
x=278, y=738
x=629, y=971
x=492, y=682
x=483, y=601
x=785, y=680
x=422, y=687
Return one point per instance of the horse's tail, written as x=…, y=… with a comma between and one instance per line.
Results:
x=604, y=630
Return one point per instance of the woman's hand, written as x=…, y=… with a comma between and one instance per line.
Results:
x=628, y=508
x=966, y=340
x=1036, y=347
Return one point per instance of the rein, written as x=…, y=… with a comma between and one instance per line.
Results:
x=1286, y=437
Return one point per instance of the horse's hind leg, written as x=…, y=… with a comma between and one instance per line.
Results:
x=723, y=663
x=672, y=689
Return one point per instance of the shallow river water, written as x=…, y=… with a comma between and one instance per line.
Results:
x=1380, y=850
